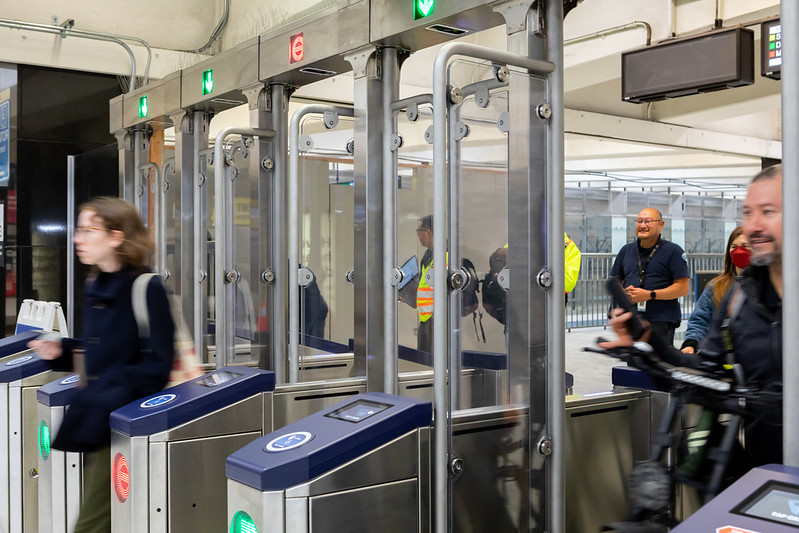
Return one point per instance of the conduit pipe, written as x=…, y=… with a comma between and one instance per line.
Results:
x=615, y=29
x=96, y=36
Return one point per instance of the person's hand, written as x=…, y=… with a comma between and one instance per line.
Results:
x=619, y=325
x=637, y=294
x=688, y=349
x=47, y=350
x=400, y=299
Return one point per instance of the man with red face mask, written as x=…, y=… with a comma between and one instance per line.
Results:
x=747, y=325
x=736, y=259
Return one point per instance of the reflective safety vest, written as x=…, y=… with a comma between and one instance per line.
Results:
x=572, y=261
x=424, y=296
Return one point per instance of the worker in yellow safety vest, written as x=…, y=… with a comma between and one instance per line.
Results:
x=572, y=262
x=424, y=292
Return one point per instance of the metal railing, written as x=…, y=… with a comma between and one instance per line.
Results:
x=589, y=301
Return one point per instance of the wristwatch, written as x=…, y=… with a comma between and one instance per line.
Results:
x=652, y=295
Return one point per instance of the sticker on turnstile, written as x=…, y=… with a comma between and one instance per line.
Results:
x=733, y=529
x=69, y=380
x=19, y=360
x=288, y=441
x=158, y=401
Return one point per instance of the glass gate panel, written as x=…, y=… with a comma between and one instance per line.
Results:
x=326, y=234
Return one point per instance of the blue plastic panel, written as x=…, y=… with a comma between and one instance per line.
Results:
x=17, y=343
x=326, y=440
x=191, y=400
x=22, y=367
x=58, y=393
x=625, y=376
x=742, y=504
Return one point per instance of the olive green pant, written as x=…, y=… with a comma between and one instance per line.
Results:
x=95, y=509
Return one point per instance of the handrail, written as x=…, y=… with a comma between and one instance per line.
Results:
x=293, y=221
x=97, y=36
x=440, y=299
x=223, y=230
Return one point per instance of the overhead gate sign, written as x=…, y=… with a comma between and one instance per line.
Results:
x=5, y=141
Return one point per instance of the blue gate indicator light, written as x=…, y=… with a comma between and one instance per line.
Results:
x=423, y=8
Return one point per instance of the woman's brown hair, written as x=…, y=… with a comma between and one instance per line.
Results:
x=116, y=214
x=724, y=281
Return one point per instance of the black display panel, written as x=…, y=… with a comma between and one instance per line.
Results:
x=706, y=62
x=358, y=411
x=217, y=378
x=775, y=502
x=771, y=49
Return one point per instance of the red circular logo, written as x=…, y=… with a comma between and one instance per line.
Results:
x=296, y=48
x=121, y=476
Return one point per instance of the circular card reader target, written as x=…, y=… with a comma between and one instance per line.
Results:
x=158, y=401
x=288, y=441
x=70, y=379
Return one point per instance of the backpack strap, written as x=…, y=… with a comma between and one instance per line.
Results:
x=139, y=302
x=736, y=301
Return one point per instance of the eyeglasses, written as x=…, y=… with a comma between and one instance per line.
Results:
x=736, y=246
x=421, y=229
x=647, y=221
x=84, y=231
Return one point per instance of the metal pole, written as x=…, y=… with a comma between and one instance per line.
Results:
x=158, y=235
x=390, y=92
x=70, y=244
x=293, y=225
x=790, y=253
x=441, y=412
x=224, y=251
x=555, y=308
x=278, y=259
x=199, y=247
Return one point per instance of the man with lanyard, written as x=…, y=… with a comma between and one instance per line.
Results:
x=654, y=273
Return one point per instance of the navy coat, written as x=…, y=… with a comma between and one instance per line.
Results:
x=119, y=367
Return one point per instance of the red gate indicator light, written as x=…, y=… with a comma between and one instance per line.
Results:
x=242, y=523
x=121, y=478
x=296, y=48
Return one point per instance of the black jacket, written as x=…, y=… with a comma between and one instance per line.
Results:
x=120, y=368
x=757, y=341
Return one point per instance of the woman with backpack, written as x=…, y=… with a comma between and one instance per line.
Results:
x=115, y=365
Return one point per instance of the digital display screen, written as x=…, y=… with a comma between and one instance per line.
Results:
x=771, y=49
x=217, y=378
x=358, y=411
x=776, y=502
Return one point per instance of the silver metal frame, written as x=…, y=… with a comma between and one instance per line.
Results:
x=293, y=238
x=225, y=341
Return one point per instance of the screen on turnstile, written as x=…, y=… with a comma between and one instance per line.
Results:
x=217, y=378
x=774, y=501
x=358, y=411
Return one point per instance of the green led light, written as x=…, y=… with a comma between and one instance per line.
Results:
x=772, y=46
x=423, y=8
x=208, y=81
x=44, y=440
x=143, y=107
x=242, y=523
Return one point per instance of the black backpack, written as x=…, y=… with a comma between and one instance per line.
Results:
x=494, y=296
x=470, y=303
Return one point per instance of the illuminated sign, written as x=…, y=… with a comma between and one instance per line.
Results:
x=208, y=81
x=296, y=48
x=121, y=478
x=44, y=440
x=771, y=49
x=242, y=523
x=143, y=107
x=423, y=8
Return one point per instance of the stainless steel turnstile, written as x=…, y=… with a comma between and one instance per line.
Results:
x=20, y=377
x=60, y=472
x=335, y=477
x=168, y=450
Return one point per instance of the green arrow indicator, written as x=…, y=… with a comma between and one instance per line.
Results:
x=423, y=8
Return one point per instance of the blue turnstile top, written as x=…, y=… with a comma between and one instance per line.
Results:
x=191, y=400
x=626, y=376
x=22, y=367
x=764, y=500
x=17, y=343
x=325, y=440
x=58, y=393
